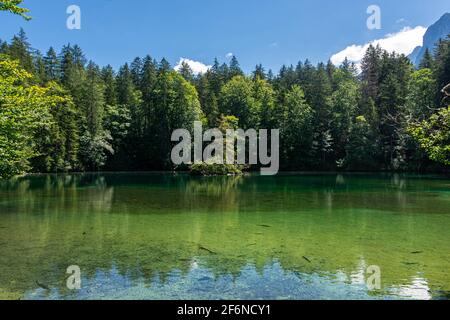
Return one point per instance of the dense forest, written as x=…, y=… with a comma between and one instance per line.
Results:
x=60, y=112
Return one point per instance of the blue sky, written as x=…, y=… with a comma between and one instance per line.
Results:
x=271, y=32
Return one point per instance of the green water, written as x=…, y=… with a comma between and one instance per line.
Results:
x=162, y=236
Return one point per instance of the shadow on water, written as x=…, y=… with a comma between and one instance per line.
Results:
x=163, y=236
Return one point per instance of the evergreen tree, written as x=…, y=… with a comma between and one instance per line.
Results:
x=57, y=143
x=442, y=68
x=370, y=72
x=235, y=68
x=362, y=146
x=164, y=66
x=109, y=80
x=320, y=100
x=39, y=68
x=186, y=72
x=20, y=50
x=51, y=64
x=427, y=60
x=124, y=120
x=259, y=72
x=176, y=107
x=208, y=99
x=95, y=141
x=136, y=71
x=344, y=102
x=295, y=122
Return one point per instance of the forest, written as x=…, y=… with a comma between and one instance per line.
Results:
x=60, y=112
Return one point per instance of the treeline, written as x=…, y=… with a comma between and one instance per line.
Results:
x=331, y=118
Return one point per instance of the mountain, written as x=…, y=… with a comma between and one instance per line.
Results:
x=439, y=30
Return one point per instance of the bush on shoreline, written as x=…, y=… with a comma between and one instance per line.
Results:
x=208, y=169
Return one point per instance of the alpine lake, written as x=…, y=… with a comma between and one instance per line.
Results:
x=173, y=236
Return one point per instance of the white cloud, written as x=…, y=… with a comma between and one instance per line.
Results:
x=403, y=42
x=196, y=66
x=229, y=55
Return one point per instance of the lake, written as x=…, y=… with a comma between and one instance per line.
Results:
x=173, y=236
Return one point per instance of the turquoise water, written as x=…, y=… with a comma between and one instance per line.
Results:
x=166, y=236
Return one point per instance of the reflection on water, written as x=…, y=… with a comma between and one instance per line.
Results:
x=201, y=283
x=272, y=282
x=156, y=236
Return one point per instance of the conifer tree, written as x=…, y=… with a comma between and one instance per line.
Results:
x=427, y=60
x=20, y=50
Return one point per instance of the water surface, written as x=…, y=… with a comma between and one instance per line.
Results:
x=164, y=236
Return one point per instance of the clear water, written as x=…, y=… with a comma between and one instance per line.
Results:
x=163, y=236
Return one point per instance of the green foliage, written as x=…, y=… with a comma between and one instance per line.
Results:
x=20, y=49
x=13, y=6
x=442, y=65
x=344, y=109
x=361, y=148
x=214, y=169
x=23, y=109
x=433, y=136
x=295, y=120
x=238, y=98
x=57, y=141
x=175, y=105
x=95, y=141
x=421, y=96
x=209, y=169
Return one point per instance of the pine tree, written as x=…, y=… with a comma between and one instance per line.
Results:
x=94, y=100
x=442, y=68
x=370, y=72
x=176, y=106
x=79, y=60
x=259, y=72
x=57, y=143
x=186, y=72
x=39, y=68
x=109, y=79
x=136, y=71
x=427, y=60
x=95, y=141
x=320, y=91
x=20, y=49
x=164, y=66
x=51, y=64
x=295, y=120
x=208, y=99
x=4, y=47
x=72, y=73
x=116, y=120
x=235, y=68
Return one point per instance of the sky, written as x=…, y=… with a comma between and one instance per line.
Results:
x=271, y=32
